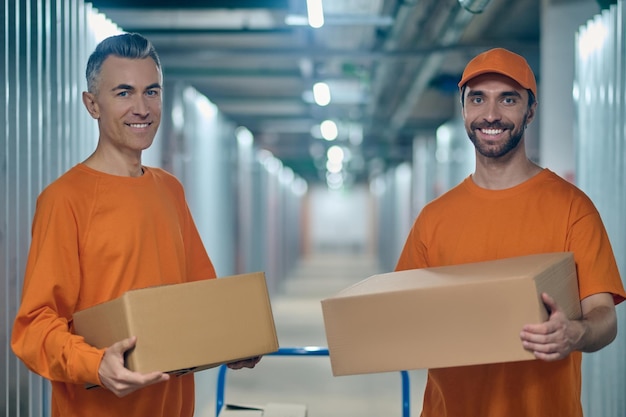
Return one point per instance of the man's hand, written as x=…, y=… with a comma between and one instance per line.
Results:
x=120, y=380
x=245, y=363
x=554, y=339
x=559, y=336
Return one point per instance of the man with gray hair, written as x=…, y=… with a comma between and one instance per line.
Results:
x=109, y=225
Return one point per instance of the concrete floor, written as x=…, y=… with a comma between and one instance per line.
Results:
x=308, y=379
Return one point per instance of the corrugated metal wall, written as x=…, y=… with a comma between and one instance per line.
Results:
x=43, y=130
x=600, y=93
x=246, y=204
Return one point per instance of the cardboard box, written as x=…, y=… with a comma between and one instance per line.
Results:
x=446, y=316
x=186, y=327
x=267, y=410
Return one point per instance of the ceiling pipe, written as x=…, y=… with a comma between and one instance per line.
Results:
x=474, y=6
x=456, y=22
x=410, y=18
x=180, y=55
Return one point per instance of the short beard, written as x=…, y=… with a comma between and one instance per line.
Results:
x=506, y=147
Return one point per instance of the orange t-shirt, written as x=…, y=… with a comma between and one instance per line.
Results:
x=94, y=237
x=472, y=224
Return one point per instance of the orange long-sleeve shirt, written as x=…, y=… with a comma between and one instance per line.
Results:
x=94, y=237
x=471, y=224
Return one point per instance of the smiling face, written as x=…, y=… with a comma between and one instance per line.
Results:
x=496, y=113
x=127, y=104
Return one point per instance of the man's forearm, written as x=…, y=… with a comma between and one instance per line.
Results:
x=599, y=328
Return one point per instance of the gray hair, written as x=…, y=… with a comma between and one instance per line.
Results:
x=126, y=45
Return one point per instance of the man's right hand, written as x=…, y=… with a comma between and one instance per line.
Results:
x=120, y=380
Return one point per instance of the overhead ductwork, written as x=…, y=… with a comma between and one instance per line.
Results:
x=474, y=6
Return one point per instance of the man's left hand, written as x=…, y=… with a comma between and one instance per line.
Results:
x=554, y=339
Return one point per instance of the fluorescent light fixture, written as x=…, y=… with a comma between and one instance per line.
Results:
x=321, y=94
x=357, y=19
x=334, y=167
x=334, y=180
x=335, y=154
x=315, y=13
x=296, y=20
x=329, y=130
x=244, y=137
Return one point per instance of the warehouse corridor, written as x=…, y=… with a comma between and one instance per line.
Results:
x=318, y=195
x=308, y=379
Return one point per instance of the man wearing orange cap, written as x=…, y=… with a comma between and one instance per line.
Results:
x=509, y=207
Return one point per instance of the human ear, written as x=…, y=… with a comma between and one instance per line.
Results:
x=531, y=113
x=89, y=100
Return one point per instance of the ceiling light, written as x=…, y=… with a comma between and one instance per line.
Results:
x=334, y=167
x=315, y=13
x=335, y=19
x=329, y=130
x=321, y=94
x=296, y=20
x=335, y=154
x=334, y=181
x=244, y=137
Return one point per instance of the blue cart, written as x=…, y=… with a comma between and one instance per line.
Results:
x=309, y=351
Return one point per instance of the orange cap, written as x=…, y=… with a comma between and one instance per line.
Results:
x=503, y=62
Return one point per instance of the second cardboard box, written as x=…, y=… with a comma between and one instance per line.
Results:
x=445, y=316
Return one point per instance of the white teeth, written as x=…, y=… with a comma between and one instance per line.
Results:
x=491, y=131
x=138, y=125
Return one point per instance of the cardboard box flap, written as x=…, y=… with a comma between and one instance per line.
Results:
x=455, y=275
x=560, y=281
